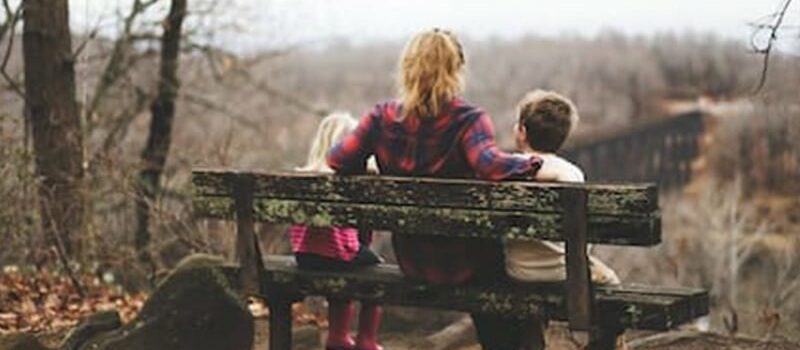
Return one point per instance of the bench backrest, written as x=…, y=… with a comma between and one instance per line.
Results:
x=624, y=214
x=620, y=214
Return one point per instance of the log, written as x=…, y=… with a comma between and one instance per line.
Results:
x=455, y=335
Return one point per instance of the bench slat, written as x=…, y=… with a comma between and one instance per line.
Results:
x=608, y=199
x=620, y=230
x=636, y=307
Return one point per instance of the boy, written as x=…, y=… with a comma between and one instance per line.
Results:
x=545, y=119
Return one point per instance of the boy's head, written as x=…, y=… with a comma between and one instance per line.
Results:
x=545, y=119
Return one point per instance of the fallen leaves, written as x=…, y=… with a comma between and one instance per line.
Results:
x=300, y=316
x=45, y=301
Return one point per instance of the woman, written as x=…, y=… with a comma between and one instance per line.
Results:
x=431, y=131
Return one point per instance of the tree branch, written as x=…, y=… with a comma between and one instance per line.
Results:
x=773, y=36
x=208, y=104
x=9, y=27
x=120, y=60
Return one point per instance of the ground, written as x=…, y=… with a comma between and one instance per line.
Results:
x=558, y=339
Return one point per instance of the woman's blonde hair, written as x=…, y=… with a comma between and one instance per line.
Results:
x=331, y=131
x=431, y=73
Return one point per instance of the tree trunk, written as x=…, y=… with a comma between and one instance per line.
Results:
x=52, y=109
x=154, y=156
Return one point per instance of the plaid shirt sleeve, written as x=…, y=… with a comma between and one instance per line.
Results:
x=351, y=154
x=488, y=160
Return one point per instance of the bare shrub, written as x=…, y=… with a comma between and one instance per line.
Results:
x=718, y=240
x=18, y=215
x=762, y=147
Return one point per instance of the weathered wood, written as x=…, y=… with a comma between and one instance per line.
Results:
x=652, y=151
x=246, y=253
x=641, y=230
x=605, y=338
x=604, y=199
x=280, y=324
x=456, y=335
x=578, y=283
x=632, y=307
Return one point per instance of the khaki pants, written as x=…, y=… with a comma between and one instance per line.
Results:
x=543, y=261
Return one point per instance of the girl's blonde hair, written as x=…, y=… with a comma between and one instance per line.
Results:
x=331, y=131
x=431, y=73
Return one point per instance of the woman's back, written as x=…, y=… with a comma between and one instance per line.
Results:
x=459, y=143
x=423, y=147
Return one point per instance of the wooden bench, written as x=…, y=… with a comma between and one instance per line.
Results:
x=621, y=214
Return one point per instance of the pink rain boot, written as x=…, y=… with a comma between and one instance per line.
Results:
x=368, y=324
x=340, y=313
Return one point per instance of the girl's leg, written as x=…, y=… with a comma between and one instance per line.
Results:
x=368, y=324
x=340, y=313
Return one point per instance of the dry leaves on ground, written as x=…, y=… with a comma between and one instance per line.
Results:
x=45, y=301
x=300, y=315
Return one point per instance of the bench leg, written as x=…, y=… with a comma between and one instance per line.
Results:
x=280, y=324
x=605, y=338
x=533, y=334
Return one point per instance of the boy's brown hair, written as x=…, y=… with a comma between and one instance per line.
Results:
x=547, y=118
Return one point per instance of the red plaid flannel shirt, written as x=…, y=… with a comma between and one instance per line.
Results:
x=459, y=143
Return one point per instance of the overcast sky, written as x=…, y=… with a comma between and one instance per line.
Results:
x=363, y=20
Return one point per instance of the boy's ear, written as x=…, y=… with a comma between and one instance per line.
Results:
x=522, y=132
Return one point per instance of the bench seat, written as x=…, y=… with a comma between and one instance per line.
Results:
x=633, y=306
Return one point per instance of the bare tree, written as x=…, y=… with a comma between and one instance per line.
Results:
x=154, y=156
x=52, y=110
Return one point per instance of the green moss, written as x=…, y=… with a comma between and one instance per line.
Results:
x=331, y=285
x=613, y=201
x=493, y=303
x=213, y=207
x=633, y=313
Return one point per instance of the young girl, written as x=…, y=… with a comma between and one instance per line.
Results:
x=337, y=249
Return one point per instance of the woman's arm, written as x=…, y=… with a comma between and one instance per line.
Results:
x=557, y=169
x=488, y=160
x=351, y=154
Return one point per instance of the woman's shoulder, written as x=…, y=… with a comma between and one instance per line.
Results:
x=463, y=107
x=390, y=111
x=465, y=113
x=384, y=111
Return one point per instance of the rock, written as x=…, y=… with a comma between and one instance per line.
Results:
x=90, y=327
x=21, y=342
x=194, y=308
